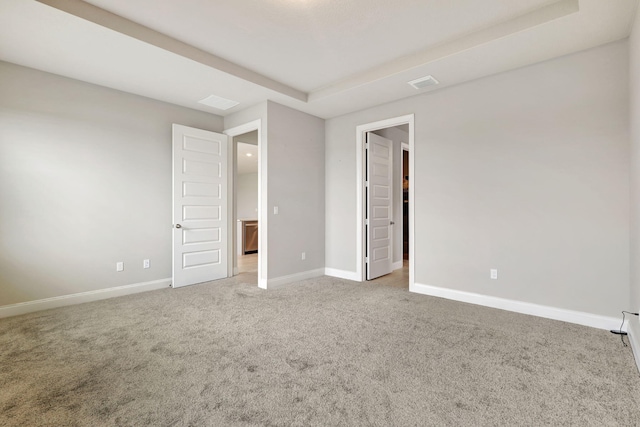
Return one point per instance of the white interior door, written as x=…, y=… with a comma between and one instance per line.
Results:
x=378, y=190
x=199, y=206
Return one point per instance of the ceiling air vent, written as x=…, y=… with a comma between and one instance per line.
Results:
x=218, y=102
x=423, y=82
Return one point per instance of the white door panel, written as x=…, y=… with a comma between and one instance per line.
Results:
x=199, y=206
x=379, y=179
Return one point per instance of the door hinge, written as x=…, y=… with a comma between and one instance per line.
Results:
x=366, y=222
x=366, y=259
x=366, y=145
x=366, y=184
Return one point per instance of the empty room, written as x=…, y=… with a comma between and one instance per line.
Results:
x=319, y=212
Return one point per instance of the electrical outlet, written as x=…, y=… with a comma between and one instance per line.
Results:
x=119, y=266
x=304, y=256
x=494, y=273
x=145, y=263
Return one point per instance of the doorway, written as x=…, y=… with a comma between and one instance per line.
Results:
x=382, y=216
x=246, y=202
x=405, y=201
x=248, y=220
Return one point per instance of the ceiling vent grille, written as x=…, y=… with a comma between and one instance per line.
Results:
x=423, y=82
x=218, y=102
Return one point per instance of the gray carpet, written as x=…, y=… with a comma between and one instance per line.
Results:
x=321, y=352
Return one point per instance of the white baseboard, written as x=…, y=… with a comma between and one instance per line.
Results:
x=341, y=274
x=397, y=265
x=577, y=317
x=82, y=297
x=281, y=281
x=634, y=338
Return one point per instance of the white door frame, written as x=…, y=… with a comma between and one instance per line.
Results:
x=262, y=186
x=361, y=130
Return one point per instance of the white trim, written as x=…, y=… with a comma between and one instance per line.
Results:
x=397, y=265
x=262, y=200
x=342, y=274
x=571, y=316
x=245, y=128
x=634, y=340
x=405, y=147
x=81, y=297
x=284, y=280
x=360, y=140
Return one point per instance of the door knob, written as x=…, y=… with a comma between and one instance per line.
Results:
x=178, y=226
x=391, y=222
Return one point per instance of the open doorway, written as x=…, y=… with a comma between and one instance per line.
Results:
x=247, y=226
x=385, y=190
x=246, y=201
x=405, y=201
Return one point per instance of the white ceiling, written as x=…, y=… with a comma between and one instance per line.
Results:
x=247, y=158
x=325, y=57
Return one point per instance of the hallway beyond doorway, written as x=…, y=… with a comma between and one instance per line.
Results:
x=398, y=278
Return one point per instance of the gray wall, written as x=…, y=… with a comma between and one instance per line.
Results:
x=248, y=138
x=292, y=156
x=256, y=112
x=398, y=135
x=296, y=186
x=247, y=185
x=525, y=171
x=634, y=93
x=85, y=181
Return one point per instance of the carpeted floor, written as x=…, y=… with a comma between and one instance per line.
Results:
x=321, y=352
